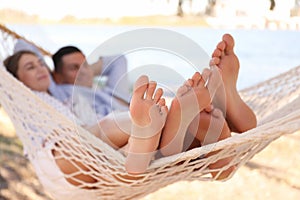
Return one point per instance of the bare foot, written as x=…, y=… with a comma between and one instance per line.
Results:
x=212, y=128
x=148, y=114
x=190, y=100
x=225, y=58
x=239, y=116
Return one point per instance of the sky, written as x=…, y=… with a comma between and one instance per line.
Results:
x=56, y=9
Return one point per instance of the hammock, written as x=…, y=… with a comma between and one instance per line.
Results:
x=276, y=103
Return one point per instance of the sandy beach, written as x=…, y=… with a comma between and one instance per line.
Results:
x=271, y=174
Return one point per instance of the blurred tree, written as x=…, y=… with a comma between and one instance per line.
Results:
x=272, y=5
x=210, y=8
x=180, y=12
x=179, y=8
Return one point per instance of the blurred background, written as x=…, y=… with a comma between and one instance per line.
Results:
x=266, y=31
x=267, y=36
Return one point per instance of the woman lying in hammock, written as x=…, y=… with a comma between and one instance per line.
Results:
x=148, y=114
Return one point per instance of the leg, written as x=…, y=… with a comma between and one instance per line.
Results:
x=148, y=113
x=113, y=129
x=190, y=100
x=239, y=116
x=208, y=128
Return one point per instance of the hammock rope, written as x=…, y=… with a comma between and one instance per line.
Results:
x=270, y=95
x=8, y=39
x=276, y=103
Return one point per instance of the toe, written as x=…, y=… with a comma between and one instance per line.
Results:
x=214, y=61
x=151, y=89
x=217, y=52
x=196, y=78
x=164, y=111
x=221, y=46
x=141, y=86
x=181, y=90
x=161, y=102
x=212, y=79
x=189, y=83
x=158, y=94
x=185, y=87
x=229, y=41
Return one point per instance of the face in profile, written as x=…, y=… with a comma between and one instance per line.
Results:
x=33, y=72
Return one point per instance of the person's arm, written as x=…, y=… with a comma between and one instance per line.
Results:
x=115, y=69
x=97, y=67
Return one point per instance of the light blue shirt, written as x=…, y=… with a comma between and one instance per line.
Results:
x=98, y=101
x=88, y=104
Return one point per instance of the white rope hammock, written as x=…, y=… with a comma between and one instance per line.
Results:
x=276, y=103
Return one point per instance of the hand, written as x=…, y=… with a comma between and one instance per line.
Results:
x=85, y=76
